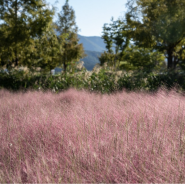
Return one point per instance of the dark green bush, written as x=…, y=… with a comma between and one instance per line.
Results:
x=103, y=81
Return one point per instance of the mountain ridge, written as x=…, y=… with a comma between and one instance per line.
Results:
x=92, y=43
x=91, y=59
x=93, y=47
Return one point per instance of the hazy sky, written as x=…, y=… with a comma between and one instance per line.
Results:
x=92, y=14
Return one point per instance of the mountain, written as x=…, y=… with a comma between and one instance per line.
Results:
x=91, y=59
x=92, y=43
x=93, y=47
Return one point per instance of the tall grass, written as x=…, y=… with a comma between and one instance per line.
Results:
x=81, y=137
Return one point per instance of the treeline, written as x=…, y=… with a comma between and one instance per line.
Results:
x=29, y=37
x=139, y=44
x=150, y=32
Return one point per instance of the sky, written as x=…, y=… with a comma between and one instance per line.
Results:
x=92, y=14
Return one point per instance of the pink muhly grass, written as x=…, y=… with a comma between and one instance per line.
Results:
x=81, y=137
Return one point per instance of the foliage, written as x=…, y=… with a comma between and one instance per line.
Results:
x=120, y=36
x=44, y=52
x=72, y=51
x=142, y=58
x=107, y=37
x=101, y=80
x=159, y=25
x=21, y=22
x=114, y=35
x=107, y=58
x=127, y=56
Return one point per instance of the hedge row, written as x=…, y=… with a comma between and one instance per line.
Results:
x=103, y=81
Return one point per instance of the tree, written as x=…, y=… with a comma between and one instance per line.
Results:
x=21, y=22
x=66, y=25
x=120, y=39
x=114, y=35
x=142, y=58
x=159, y=25
x=107, y=37
x=119, y=36
x=107, y=57
x=44, y=52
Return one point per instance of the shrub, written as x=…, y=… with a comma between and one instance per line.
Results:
x=103, y=81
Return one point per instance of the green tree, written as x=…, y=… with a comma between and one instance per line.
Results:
x=21, y=22
x=142, y=58
x=44, y=52
x=159, y=25
x=120, y=38
x=115, y=36
x=107, y=57
x=119, y=35
x=66, y=26
x=107, y=37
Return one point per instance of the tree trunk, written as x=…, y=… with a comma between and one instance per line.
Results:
x=65, y=67
x=16, y=11
x=16, y=61
x=170, y=58
x=176, y=61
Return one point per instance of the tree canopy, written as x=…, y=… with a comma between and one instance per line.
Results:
x=159, y=25
x=21, y=23
x=66, y=25
x=116, y=41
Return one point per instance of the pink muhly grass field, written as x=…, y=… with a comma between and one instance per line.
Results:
x=81, y=137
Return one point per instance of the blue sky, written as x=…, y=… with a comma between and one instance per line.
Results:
x=92, y=14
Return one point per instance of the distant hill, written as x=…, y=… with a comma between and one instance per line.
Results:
x=92, y=43
x=91, y=59
x=93, y=47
